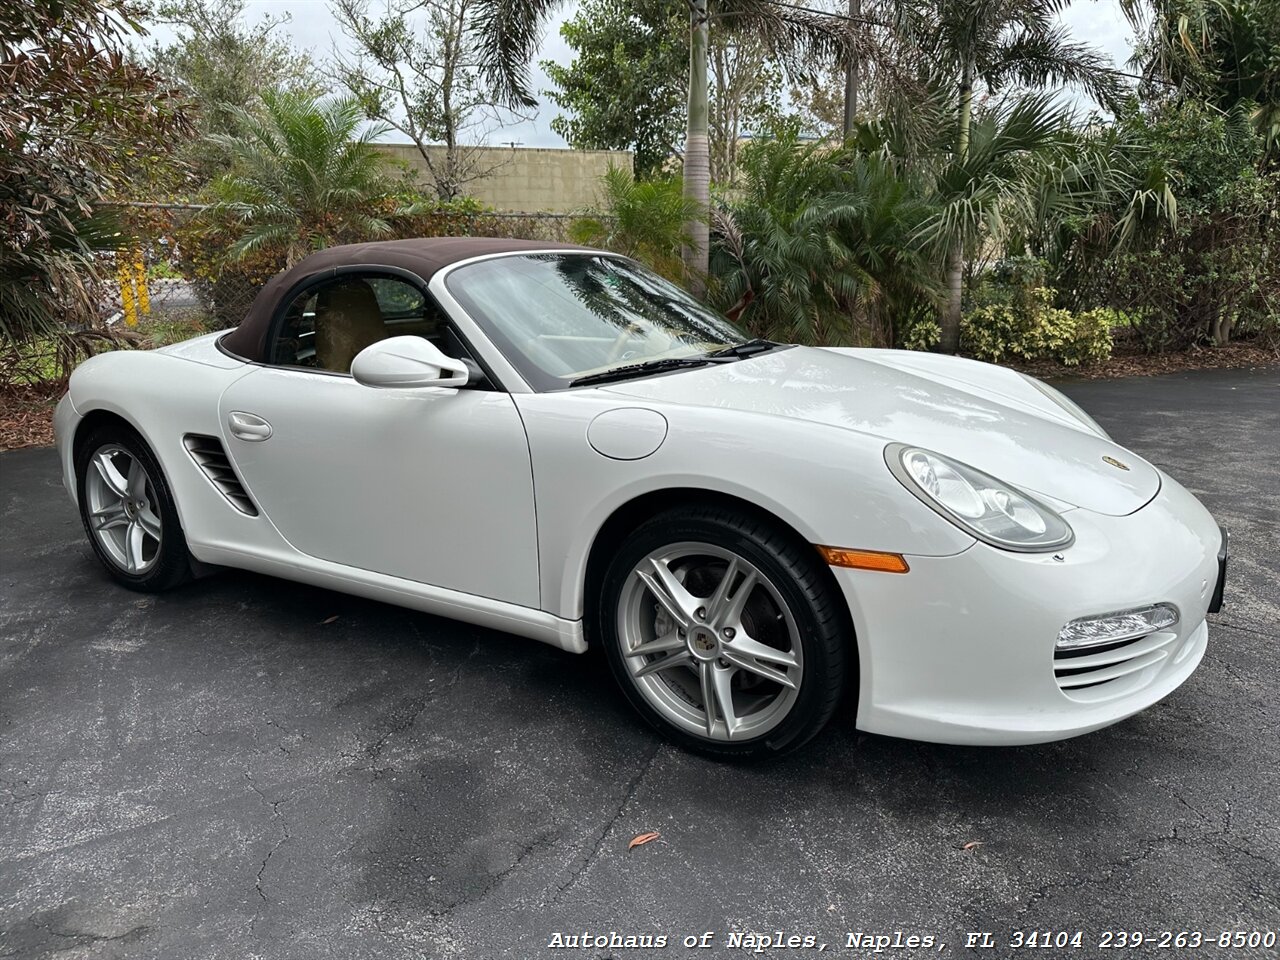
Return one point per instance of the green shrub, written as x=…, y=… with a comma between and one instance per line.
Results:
x=1090, y=339
x=1028, y=327
x=163, y=270
x=1206, y=268
x=924, y=334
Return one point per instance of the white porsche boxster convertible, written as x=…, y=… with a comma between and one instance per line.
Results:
x=555, y=442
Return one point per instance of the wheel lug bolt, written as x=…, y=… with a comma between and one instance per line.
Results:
x=723, y=663
x=728, y=633
x=702, y=613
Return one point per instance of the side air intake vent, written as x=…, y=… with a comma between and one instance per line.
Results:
x=209, y=456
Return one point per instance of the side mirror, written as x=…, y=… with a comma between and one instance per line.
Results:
x=407, y=362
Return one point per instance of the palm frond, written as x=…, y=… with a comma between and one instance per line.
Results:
x=1037, y=58
x=303, y=176
x=797, y=39
x=509, y=32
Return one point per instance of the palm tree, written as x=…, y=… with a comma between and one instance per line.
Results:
x=1000, y=182
x=47, y=288
x=818, y=237
x=509, y=32
x=1104, y=190
x=1224, y=51
x=995, y=44
x=303, y=176
x=645, y=219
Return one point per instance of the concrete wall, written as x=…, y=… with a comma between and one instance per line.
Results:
x=528, y=178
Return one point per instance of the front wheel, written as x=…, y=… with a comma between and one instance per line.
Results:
x=128, y=510
x=723, y=632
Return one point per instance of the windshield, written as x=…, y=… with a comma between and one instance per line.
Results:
x=562, y=316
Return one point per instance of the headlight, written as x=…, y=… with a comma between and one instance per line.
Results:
x=980, y=504
x=1067, y=404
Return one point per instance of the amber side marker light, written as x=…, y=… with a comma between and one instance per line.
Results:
x=864, y=559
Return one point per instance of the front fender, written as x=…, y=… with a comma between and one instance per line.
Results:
x=162, y=397
x=829, y=484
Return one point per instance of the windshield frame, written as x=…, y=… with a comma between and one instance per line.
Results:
x=517, y=367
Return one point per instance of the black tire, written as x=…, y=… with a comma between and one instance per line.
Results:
x=172, y=562
x=804, y=585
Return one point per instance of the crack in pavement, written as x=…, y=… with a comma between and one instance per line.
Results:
x=596, y=847
x=1230, y=625
x=1228, y=667
x=1109, y=871
x=1217, y=838
x=82, y=936
x=284, y=838
x=417, y=707
x=543, y=842
x=17, y=798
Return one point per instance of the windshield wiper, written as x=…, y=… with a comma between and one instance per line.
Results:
x=748, y=348
x=641, y=369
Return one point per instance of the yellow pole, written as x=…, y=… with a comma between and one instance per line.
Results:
x=140, y=283
x=127, y=300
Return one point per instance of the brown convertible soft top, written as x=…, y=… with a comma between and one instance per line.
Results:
x=422, y=257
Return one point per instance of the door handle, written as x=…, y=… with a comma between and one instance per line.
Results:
x=248, y=426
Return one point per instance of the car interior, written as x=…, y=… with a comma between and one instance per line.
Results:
x=347, y=319
x=325, y=327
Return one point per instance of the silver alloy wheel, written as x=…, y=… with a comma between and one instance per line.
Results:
x=122, y=512
x=709, y=642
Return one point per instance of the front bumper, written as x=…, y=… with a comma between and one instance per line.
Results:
x=961, y=649
x=1215, y=604
x=65, y=420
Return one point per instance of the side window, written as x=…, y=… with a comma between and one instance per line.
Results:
x=325, y=326
x=399, y=302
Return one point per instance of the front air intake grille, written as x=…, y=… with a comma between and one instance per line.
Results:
x=1112, y=669
x=212, y=460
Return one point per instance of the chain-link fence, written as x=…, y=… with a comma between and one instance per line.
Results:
x=174, y=279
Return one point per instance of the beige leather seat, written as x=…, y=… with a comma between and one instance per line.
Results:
x=347, y=320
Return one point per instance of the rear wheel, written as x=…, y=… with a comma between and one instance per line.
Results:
x=128, y=511
x=723, y=633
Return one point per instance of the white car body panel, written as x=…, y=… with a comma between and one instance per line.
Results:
x=804, y=481
x=946, y=657
x=163, y=397
x=998, y=383
x=169, y=397
x=447, y=470
x=203, y=350
x=1014, y=439
x=485, y=505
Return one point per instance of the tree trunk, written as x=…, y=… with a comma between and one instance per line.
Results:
x=697, y=170
x=851, y=81
x=1222, y=328
x=950, y=341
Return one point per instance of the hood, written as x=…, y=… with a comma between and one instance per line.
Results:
x=988, y=417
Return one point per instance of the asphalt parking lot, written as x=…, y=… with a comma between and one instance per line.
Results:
x=252, y=768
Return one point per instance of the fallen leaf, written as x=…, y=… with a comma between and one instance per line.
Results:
x=972, y=845
x=330, y=619
x=643, y=838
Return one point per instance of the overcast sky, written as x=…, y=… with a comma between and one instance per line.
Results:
x=312, y=28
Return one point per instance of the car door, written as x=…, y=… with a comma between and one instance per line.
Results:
x=431, y=484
